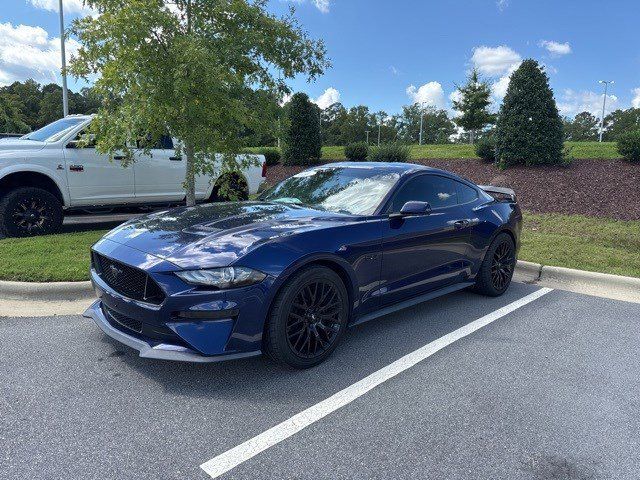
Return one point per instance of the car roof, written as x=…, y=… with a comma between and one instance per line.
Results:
x=396, y=167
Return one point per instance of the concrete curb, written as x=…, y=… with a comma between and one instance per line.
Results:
x=36, y=291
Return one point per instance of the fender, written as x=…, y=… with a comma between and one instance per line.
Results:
x=53, y=175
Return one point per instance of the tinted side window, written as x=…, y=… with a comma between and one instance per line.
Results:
x=466, y=194
x=438, y=191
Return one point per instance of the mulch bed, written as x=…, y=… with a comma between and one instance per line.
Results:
x=601, y=188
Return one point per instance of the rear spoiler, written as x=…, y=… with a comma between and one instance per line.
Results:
x=500, y=193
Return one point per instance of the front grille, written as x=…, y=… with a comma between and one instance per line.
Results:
x=123, y=320
x=128, y=281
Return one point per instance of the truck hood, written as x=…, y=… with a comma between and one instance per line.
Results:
x=217, y=235
x=8, y=145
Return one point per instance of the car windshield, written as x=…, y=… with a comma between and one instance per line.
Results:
x=54, y=131
x=356, y=191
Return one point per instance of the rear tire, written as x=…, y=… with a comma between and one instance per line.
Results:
x=307, y=319
x=29, y=211
x=230, y=187
x=496, y=271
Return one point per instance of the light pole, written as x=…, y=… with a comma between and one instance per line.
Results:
x=379, y=127
x=604, y=103
x=421, y=121
x=65, y=93
x=367, y=132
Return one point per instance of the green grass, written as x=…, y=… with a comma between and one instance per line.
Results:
x=572, y=241
x=50, y=258
x=585, y=243
x=605, y=150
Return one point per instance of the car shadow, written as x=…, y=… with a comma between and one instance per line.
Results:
x=364, y=349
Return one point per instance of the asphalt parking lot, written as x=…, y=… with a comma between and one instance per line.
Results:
x=547, y=391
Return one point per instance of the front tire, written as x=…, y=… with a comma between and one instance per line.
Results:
x=496, y=271
x=307, y=319
x=29, y=211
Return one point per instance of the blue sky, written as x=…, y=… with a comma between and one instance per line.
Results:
x=386, y=54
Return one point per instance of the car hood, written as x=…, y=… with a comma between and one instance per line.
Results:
x=217, y=235
x=8, y=145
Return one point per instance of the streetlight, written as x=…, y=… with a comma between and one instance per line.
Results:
x=421, y=120
x=65, y=94
x=367, y=132
x=604, y=103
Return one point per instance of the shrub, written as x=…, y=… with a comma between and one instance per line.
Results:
x=529, y=127
x=391, y=152
x=356, y=152
x=629, y=146
x=303, y=141
x=486, y=149
x=272, y=155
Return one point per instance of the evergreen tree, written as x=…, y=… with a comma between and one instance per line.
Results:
x=583, y=127
x=303, y=140
x=473, y=105
x=529, y=127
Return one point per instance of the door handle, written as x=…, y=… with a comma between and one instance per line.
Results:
x=76, y=168
x=461, y=224
x=176, y=159
x=118, y=157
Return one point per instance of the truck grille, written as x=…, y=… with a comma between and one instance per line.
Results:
x=123, y=320
x=128, y=281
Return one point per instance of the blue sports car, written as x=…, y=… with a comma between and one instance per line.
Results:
x=330, y=247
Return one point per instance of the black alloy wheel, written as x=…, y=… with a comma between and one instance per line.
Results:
x=29, y=211
x=502, y=265
x=496, y=271
x=314, y=319
x=307, y=318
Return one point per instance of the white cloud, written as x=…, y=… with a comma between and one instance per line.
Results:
x=394, y=70
x=322, y=5
x=76, y=7
x=328, y=98
x=495, y=61
x=556, y=48
x=430, y=94
x=29, y=52
x=572, y=103
x=635, y=103
x=502, y=4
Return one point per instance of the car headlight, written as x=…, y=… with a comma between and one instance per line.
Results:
x=225, y=277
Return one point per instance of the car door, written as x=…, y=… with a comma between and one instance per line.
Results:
x=424, y=252
x=93, y=179
x=159, y=175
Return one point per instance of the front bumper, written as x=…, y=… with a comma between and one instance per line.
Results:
x=159, y=351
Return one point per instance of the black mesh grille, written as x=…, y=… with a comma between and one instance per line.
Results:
x=127, y=281
x=123, y=320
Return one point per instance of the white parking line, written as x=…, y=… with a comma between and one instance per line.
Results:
x=243, y=452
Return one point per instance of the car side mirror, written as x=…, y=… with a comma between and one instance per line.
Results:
x=413, y=208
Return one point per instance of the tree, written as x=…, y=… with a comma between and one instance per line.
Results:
x=473, y=105
x=619, y=122
x=303, y=141
x=436, y=125
x=583, y=127
x=529, y=127
x=10, y=117
x=189, y=67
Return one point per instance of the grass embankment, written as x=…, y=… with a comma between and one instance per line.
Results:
x=572, y=241
x=605, y=150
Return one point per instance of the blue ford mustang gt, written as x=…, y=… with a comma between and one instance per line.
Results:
x=330, y=247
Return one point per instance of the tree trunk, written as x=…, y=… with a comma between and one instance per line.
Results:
x=189, y=176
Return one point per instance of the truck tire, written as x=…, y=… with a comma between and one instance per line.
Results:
x=29, y=211
x=230, y=187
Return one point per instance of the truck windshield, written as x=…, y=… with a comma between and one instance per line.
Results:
x=54, y=131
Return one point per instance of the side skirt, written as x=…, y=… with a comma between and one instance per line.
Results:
x=411, y=302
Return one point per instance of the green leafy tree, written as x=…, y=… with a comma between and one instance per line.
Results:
x=189, y=67
x=583, y=127
x=436, y=124
x=29, y=94
x=529, y=127
x=619, y=122
x=303, y=141
x=10, y=116
x=332, y=119
x=473, y=105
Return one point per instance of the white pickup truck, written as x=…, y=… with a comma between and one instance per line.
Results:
x=45, y=174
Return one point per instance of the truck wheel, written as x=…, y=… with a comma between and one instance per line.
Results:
x=230, y=187
x=29, y=211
